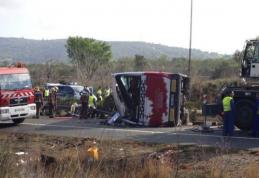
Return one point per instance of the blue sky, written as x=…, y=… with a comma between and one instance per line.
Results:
x=218, y=25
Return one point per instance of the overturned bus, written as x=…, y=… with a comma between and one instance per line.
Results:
x=151, y=98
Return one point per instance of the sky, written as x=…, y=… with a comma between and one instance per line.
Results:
x=218, y=25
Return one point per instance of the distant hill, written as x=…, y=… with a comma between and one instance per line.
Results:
x=39, y=51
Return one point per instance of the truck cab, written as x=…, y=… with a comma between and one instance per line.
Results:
x=150, y=98
x=246, y=96
x=16, y=94
x=250, y=60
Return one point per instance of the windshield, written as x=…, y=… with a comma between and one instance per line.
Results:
x=78, y=89
x=15, y=81
x=252, y=52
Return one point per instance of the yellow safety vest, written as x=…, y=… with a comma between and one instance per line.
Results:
x=46, y=93
x=227, y=103
x=99, y=92
x=91, y=101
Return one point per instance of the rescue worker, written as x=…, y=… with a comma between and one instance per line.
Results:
x=73, y=108
x=99, y=91
x=99, y=103
x=46, y=93
x=228, y=109
x=38, y=99
x=45, y=96
x=92, y=104
x=52, y=102
x=107, y=91
x=84, y=103
x=56, y=99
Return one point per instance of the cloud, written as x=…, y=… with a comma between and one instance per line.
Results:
x=11, y=4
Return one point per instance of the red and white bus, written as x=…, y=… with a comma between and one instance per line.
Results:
x=16, y=94
x=150, y=98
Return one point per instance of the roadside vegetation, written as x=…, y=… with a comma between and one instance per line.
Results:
x=23, y=155
x=91, y=63
x=207, y=76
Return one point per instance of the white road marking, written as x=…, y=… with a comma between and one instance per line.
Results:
x=140, y=131
x=78, y=127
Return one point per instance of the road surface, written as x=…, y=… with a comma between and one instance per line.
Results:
x=92, y=128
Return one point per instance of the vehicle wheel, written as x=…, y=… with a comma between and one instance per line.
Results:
x=245, y=113
x=18, y=121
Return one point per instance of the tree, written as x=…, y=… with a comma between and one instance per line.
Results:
x=238, y=55
x=50, y=69
x=87, y=55
x=140, y=62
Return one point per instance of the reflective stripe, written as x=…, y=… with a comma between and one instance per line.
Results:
x=227, y=103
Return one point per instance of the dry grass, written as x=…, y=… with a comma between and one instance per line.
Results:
x=252, y=171
x=67, y=157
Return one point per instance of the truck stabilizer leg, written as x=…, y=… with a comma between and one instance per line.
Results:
x=256, y=120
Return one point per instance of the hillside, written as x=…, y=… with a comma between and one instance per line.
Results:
x=39, y=51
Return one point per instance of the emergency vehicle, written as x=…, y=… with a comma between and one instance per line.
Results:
x=150, y=98
x=16, y=94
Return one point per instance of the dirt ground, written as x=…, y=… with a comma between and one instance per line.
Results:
x=177, y=160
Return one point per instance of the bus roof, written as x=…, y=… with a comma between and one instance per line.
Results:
x=165, y=74
x=13, y=70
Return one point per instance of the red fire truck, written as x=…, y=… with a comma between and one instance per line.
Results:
x=16, y=94
x=150, y=98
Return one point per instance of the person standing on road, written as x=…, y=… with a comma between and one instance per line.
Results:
x=52, y=101
x=84, y=103
x=107, y=91
x=99, y=91
x=229, y=119
x=45, y=92
x=92, y=104
x=38, y=101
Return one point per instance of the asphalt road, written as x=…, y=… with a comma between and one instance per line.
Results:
x=93, y=128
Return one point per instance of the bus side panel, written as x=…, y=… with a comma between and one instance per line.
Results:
x=143, y=107
x=157, y=100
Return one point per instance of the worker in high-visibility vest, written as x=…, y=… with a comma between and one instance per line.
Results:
x=107, y=91
x=99, y=103
x=46, y=92
x=229, y=119
x=45, y=96
x=92, y=104
x=99, y=91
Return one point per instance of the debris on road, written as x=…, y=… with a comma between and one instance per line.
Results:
x=93, y=153
x=21, y=153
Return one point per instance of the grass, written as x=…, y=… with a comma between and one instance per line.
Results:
x=47, y=156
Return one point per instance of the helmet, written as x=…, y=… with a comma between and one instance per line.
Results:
x=86, y=89
x=37, y=88
x=53, y=89
x=56, y=89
